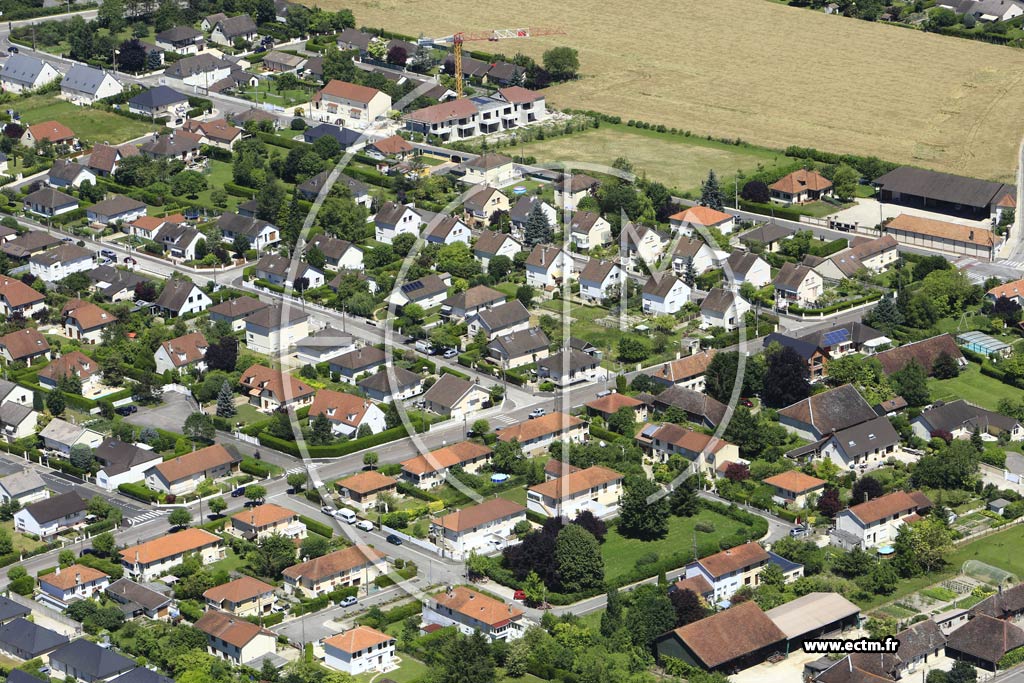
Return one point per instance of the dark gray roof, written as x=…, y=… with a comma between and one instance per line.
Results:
x=769, y=233
x=660, y=284
x=160, y=96
x=389, y=214
x=179, y=34
x=503, y=315
x=381, y=381
x=344, y=136
x=23, y=636
x=597, y=271
x=22, y=69
x=62, y=253
x=699, y=407
x=11, y=610
x=986, y=638
x=447, y=390
x=519, y=344
x=118, y=456
x=331, y=247
x=804, y=348
x=241, y=225
x=116, y=205
x=328, y=338
x=140, y=675
x=474, y=297
x=359, y=360
x=50, y=198
x=66, y=170
x=238, y=307
x=867, y=436
x=718, y=300
x=114, y=280
x=15, y=413
x=19, y=676
x=274, y=316
x=522, y=208
x=570, y=358
x=90, y=661
x=424, y=288
x=830, y=411
x=240, y=25
x=127, y=591
x=740, y=262
x=856, y=332
x=351, y=36
x=790, y=276
x=944, y=187
x=311, y=187
x=63, y=505
x=489, y=161
x=175, y=294
x=196, y=65
x=959, y=414
x=83, y=78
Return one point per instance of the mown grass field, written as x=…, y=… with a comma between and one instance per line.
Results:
x=90, y=125
x=764, y=72
x=974, y=387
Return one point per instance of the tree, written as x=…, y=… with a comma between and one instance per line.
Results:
x=104, y=544
x=188, y=183
x=650, y=615
x=314, y=546
x=633, y=349
x=240, y=245
x=217, y=506
x=321, y=431
x=866, y=488
x=945, y=367
x=687, y=606
x=720, y=376
x=465, y=659
x=683, y=502
x=878, y=629
x=911, y=382
x=829, y=503
x=844, y=181
x=785, y=379
x=538, y=228
x=65, y=558
x=498, y=267
x=525, y=294
x=711, y=194
x=255, y=492
x=637, y=517
x=755, y=191
x=578, y=558
x=179, y=517
x=397, y=55
x=273, y=554
x=611, y=620
x=561, y=63
x=111, y=15
x=297, y=480
x=737, y=472
x=772, y=576
x=1007, y=310
x=270, y=200
x=55, y=403
x=481, y=427
x=131, y=56
x=953, y=467
x=597, y=528
x=370, y=459
x=81, y=456
x=199, y=427
x=223, y=354
x=226, y=401
x=853, y=563
x=623, y=421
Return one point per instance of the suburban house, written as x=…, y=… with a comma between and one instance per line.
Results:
x=600, y=280
x=149, y=227
x=273, y=330
x=180, y=146
x=547, y=266
x=348, y=414
x=117, y=209
x=184, y=474
x=200, y=70
x=18, y=298
x=819, y=415
x=594, y=489
x=570, y=190
x=394, y=219
x=484, y=528
x=729, y=640
x=113, y=285
x=235, y=311
x=729, y=570
x=350, y=105
x=182, y=40
x=447, y=230
x=338, y=254
x=48, y=517
x=359, y=650
x=18, y=421
x=345, y=137
x=136, y=600
x=695, y=218
x=59, y=436
x=984, y=641
x=181, y=297
x=813, y=355
x=664, y=294
x=468, y=303
x=519, y=348
x=745, y=266
x=353, y=364
x=924, y=352
x=490, y=244
x=687, y=372
x=26, y=640
x=609, y=404
x=490, y=169
x=74, y=582
x=49, y=202
x=692, y=252
x=797, y=285
x=707, y=454
x=160, y=102
x=505, y=318
x=85, y=85
x=362, y=490
x=149, y=560
x=322, y=345
x=104, y=159
x=520, y=212
x=182, y=353
x=767, y=237
x=394, y=384
x=278, y=270
x=428, y=291
x=244, y=597
x=799, y=187
x=570, y=366
x=877, y=521
x=588, y=229
x=357, y=565
x=22, y=72
x=537, y=435
x=642, y=244
x=793, y=488
x=28, y=243
x=67, y=173
x=472, y=612
x=56, y=264
x=860, y=445
x=953, y=238
x=9, y=611
x=267, y=390
x=389, y=149
x=264, y=520
x=234, y=639
x=722, y=308
x=483, y=202
x=960, y=419
x=454, y=397
x=282, y=62
x=25, y=487
x=228, y=30
x=360, y=191
x=428, y=471
x=872, y=255
x=123, y=463
x=216, y=133
x=1013, y=290
x=86, y=662
x=258, y=233
x=74, y=363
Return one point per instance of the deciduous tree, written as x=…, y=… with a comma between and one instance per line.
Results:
x=637, y=517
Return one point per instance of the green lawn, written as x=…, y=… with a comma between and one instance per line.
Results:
x=20, y=542
x=972, y=386
x=248, y=414
x=219, y=172
x=678, y=161
x=266, y=93
x=620, y=553
x=90, y=125
x=410, y=670
x=230, y=563
x=516, y=495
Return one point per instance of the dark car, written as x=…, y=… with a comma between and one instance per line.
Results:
x=394, y=540
x=239, y=492
x=125, y=411
x=13, y=50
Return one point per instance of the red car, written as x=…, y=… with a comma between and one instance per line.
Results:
x=746, y=402
x=519, y=595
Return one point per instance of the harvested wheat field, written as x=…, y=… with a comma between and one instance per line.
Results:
x=764, y=72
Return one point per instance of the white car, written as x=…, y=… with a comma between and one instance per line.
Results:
x=364, y=525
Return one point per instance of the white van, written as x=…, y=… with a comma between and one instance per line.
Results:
x=424, y=346
x=345, y=515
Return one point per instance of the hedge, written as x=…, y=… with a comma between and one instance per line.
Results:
x=237, y=190
x=99, y=527
x=254, y=467
x=770, y=209
x=341, y=449
x=316, y=527
x=66, y=467
x=408, y=489
x=139, y=492
x=271, y=139
x=447, y=370
x=604, y=434
x=272, y=619
x=797, y=310
x=392, y=616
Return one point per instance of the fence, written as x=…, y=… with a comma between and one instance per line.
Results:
x=406, y=538
x=242, y=436
x=48, y=612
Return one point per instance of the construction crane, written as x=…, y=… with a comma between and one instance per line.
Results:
x=458, y=39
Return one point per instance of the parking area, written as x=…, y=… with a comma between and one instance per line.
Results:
x=868, y=212
x=169, y=415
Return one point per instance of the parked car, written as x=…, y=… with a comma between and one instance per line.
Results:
x=746, y=402
x=537, y=412
x=519, y=595
x=327, y=510
x=424, y=346
x=125, y=411
x=799, y=531
x=239, y=492
x=451, y=353
x=107, y=253
x=348, y=602
x=12, y=50
x=394, y=540
x=365, y=525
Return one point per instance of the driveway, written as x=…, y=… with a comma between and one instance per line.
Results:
x=169, y=415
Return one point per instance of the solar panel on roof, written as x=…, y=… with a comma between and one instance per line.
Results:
x=650, y=429
x=412, y=286
x=836, y=337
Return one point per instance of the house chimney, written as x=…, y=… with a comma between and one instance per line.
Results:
x=57, y=573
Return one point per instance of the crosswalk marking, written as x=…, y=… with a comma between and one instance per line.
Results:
x=1013, y=264
x=296, y=470
x=146, y=516
x=504, y=419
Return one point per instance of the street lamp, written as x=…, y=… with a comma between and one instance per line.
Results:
x=116, y=53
